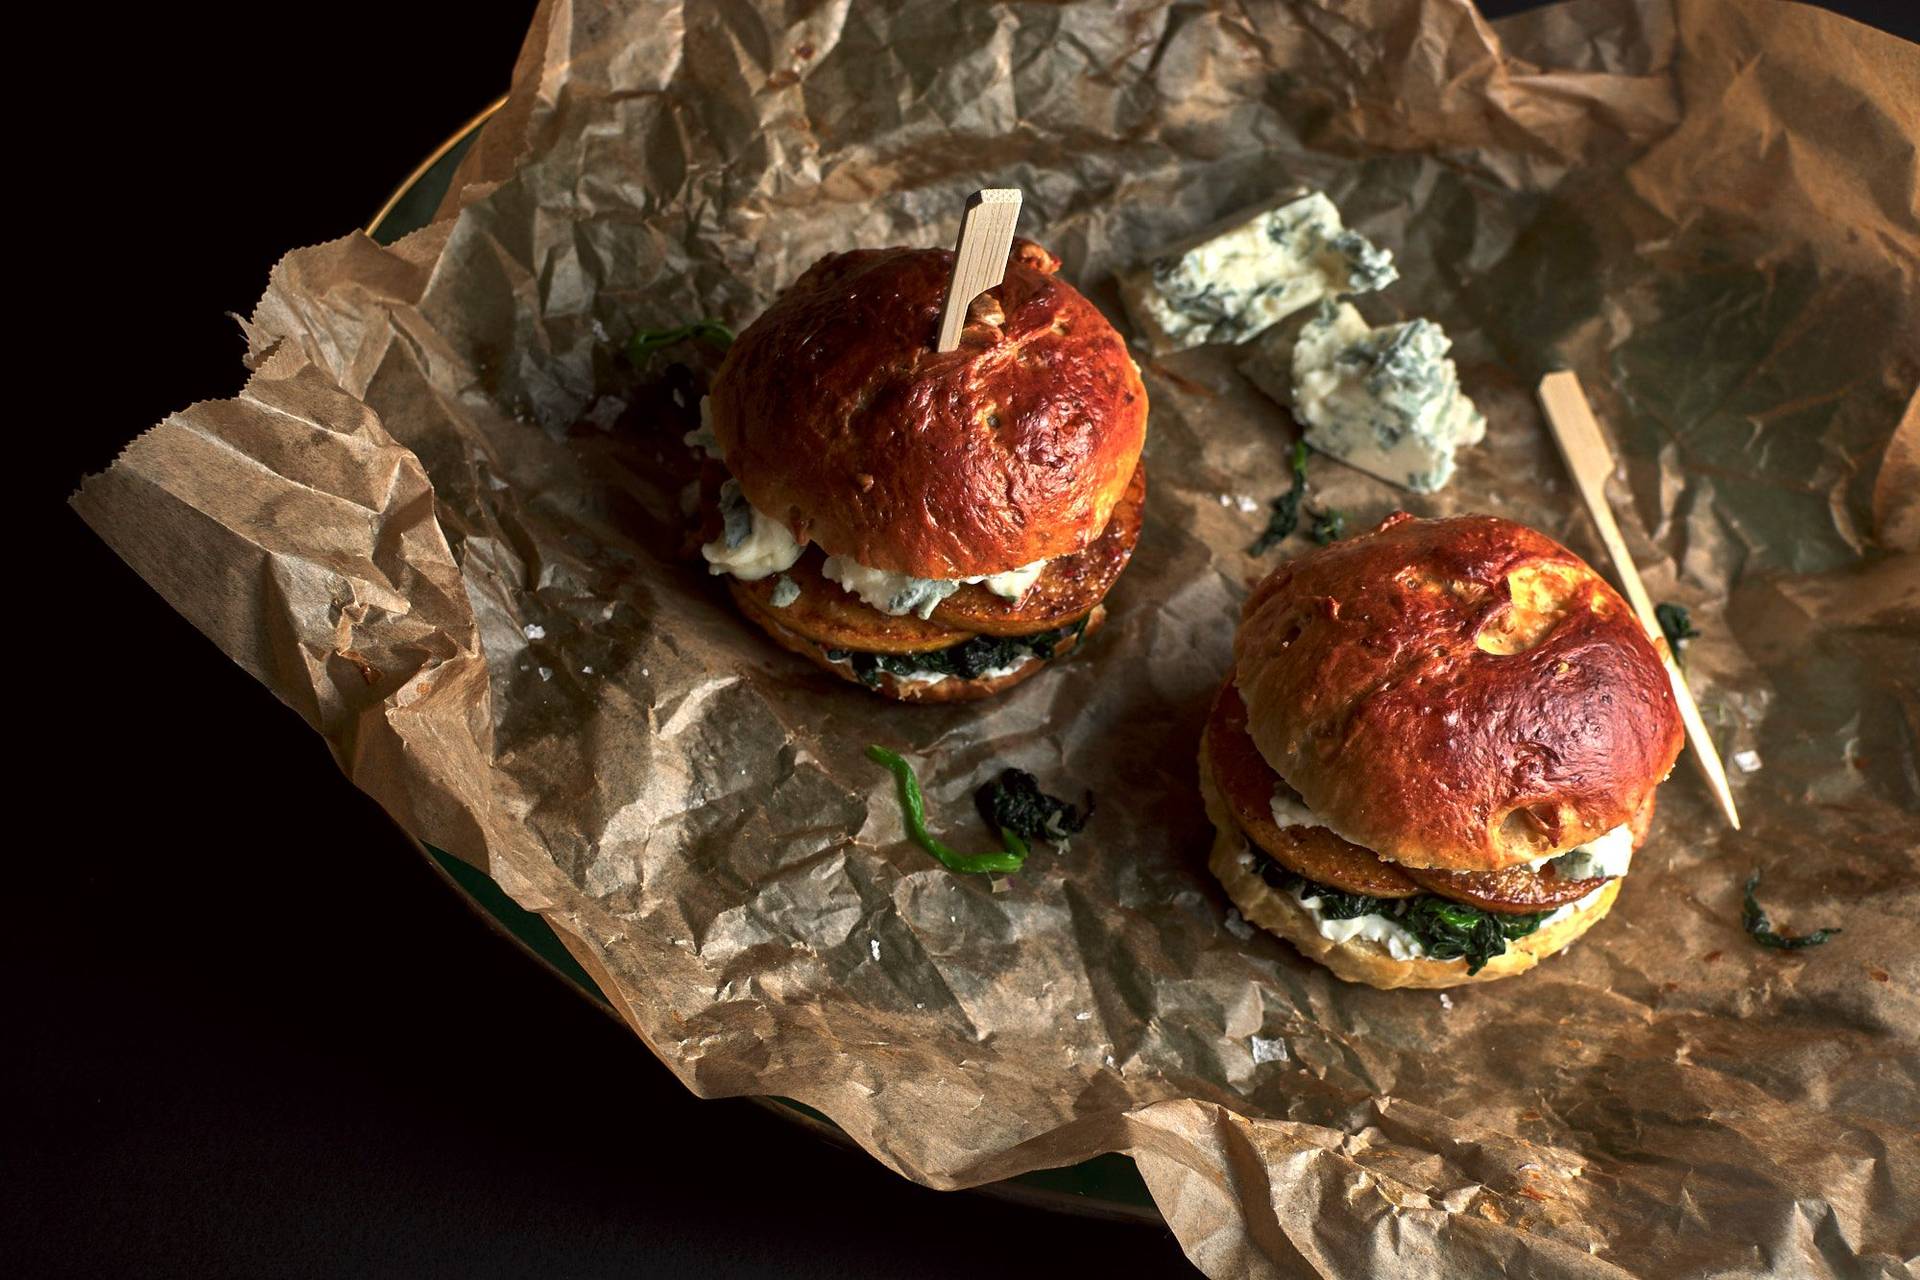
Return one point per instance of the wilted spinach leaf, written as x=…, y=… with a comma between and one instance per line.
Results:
x=1448, y=930
x=968, y=660
x=1676, y=623
x=1329, y=526
x=1014, y=802
x=1286, y=508
x=1754, y=920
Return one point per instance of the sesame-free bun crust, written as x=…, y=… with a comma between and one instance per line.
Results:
x=1463, y=694
x=951, y=689
x=839, y=419
x=1362, y=959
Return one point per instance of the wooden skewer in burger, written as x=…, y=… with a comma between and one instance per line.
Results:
x=934, y=525
x=1436, y=751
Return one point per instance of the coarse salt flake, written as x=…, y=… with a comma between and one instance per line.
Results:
x=1265, y=1050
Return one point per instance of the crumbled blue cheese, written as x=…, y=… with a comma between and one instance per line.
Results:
x=1385, y=400
x=753, y=544
x=900, y=593
x=1229, y=285
x=1608, y=855
x=785, y=592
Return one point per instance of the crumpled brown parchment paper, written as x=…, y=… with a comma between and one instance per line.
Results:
x=441, y=522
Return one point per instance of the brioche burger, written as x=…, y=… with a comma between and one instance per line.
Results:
x=1436, y=751
x=935, y=526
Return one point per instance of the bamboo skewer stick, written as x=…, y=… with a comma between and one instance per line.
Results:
x=1591, y=462
x=979, y=256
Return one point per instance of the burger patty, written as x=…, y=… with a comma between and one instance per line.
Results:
x=1067, y=588
x=1065, y=592
x=834, y=618
x=1247, y=782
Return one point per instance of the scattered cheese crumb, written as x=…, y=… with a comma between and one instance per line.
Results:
x=586, y=671
x=534, y=631
x=1265, y=1050
x=1446, y=1001
x=546, y=673
x=1082, y=1016
x=873, y=945
x=1747, y=761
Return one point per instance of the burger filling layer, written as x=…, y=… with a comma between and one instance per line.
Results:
x=1425, y=926
x=753, y=544
x=977, y=658
x=1428, y=925
x=1608, y=855
x=899, y=594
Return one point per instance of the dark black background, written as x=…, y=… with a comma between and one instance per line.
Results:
x=171, y=1106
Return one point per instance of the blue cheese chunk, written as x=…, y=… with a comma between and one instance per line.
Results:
x=1607, y=856
x=1231, y=284
x=752, y=544
x=899, y=593
x=1385, y=400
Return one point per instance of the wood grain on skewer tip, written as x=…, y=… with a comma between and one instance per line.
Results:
x=1590, y=461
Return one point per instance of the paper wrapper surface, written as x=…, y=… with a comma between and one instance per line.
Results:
x=444, y=522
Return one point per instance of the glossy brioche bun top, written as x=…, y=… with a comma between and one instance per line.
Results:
x=1462, y=693
x=838, y=418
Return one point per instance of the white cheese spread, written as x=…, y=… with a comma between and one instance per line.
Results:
x=1607, y=855
x=1384, y=400
x=1400, y=944
x=753, y=544
x=1229, y=285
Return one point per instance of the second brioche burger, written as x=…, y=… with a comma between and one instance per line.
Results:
x=1436, y=751
x=934, y=525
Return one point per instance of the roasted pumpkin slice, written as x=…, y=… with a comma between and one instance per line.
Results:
x=1066, y=589
x=837, y=619
x=1246, y=781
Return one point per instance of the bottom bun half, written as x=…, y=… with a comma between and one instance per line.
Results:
x=1363, y=960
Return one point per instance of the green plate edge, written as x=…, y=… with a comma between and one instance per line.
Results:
x=1109, y=1185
